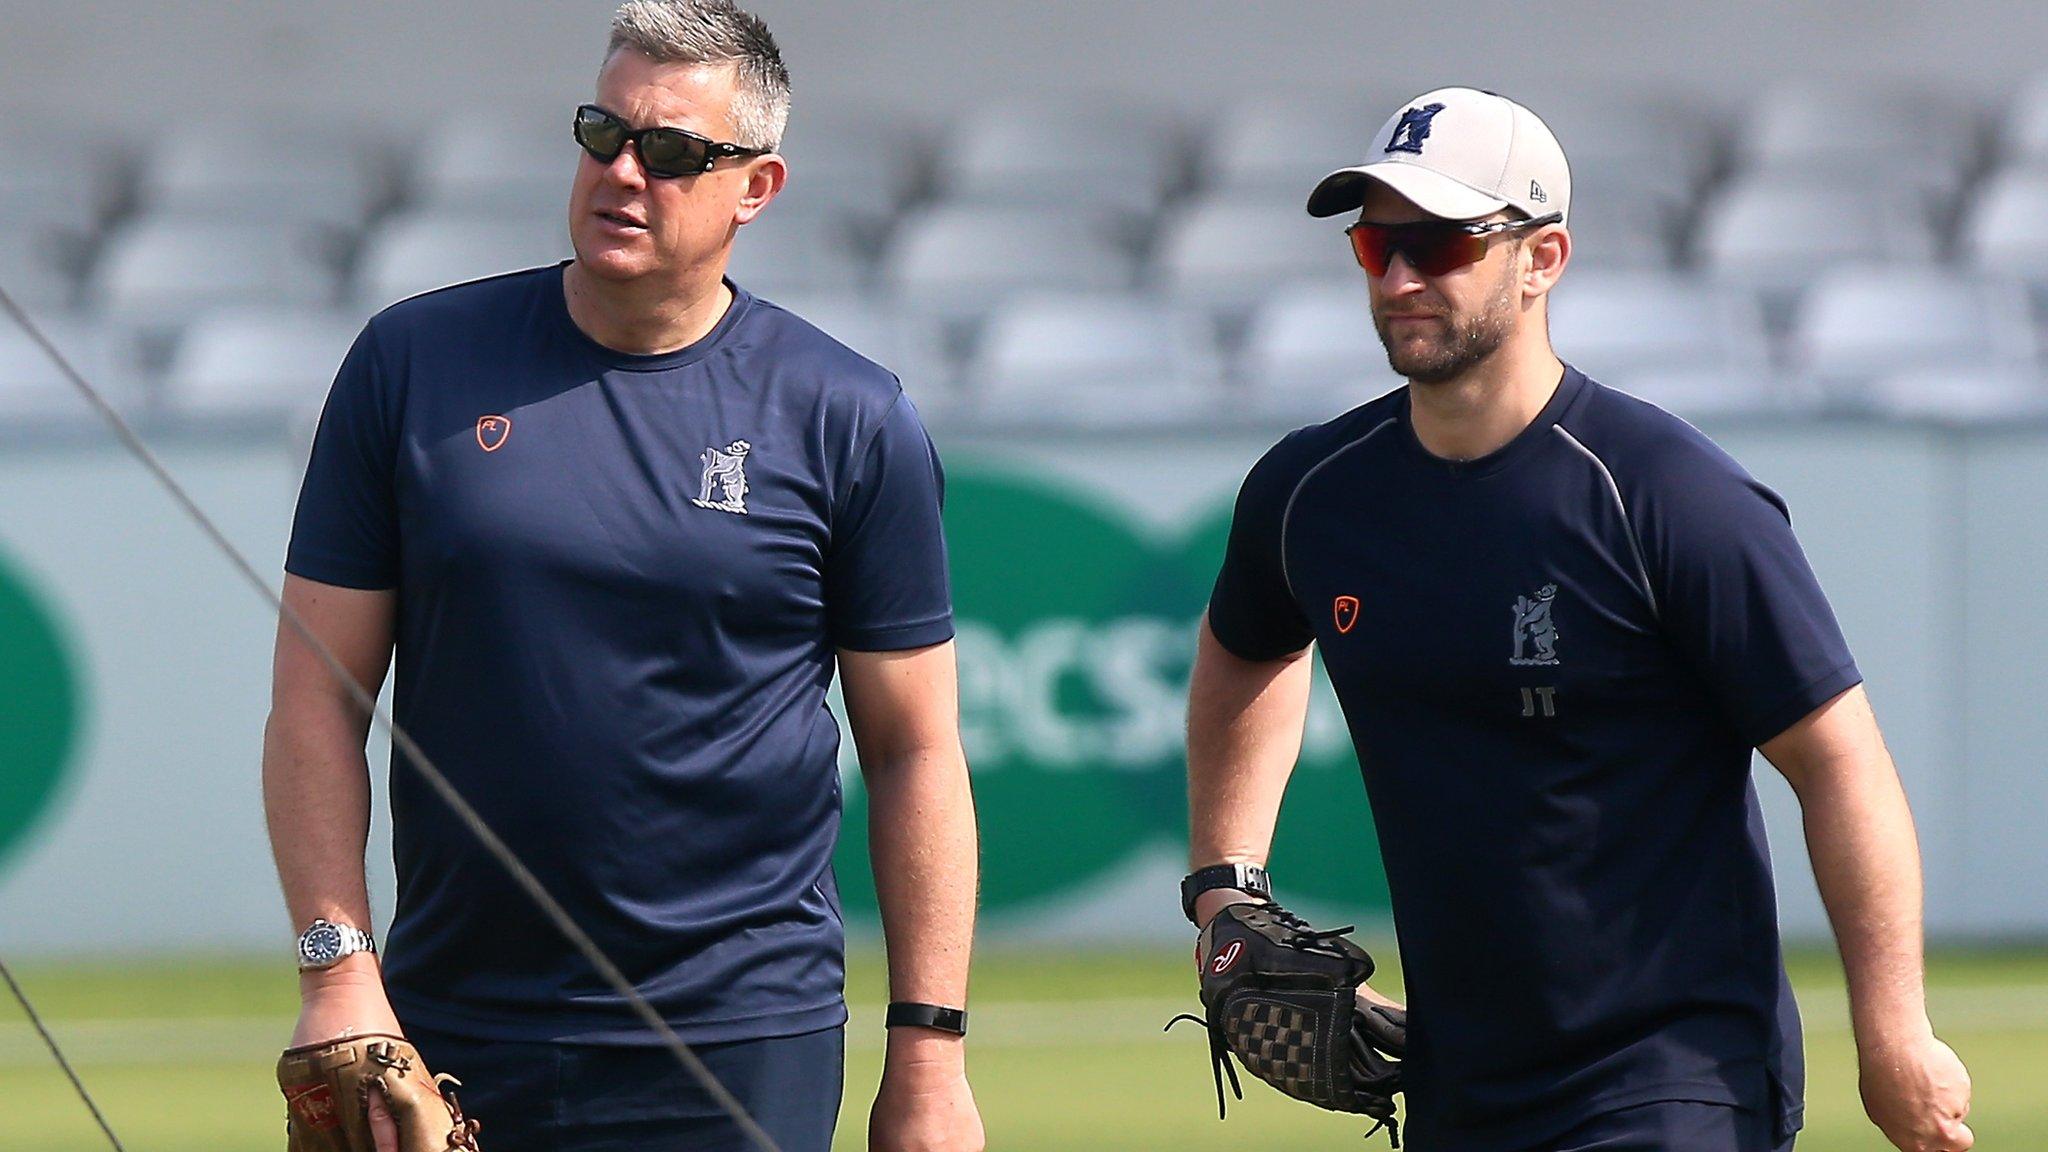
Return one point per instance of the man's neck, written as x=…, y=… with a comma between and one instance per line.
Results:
x=641, y=317
x=1480, y=411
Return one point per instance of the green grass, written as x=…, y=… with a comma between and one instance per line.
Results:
x=180, y=1054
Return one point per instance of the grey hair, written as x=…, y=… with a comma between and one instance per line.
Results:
x=714, y=32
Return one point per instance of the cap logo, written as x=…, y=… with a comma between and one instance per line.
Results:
x=1537, y=194
x=1413, y=129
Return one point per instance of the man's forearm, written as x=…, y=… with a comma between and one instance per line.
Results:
x=923, y=849
x=1859, y=835
x=1244, y=734
x=316, y=801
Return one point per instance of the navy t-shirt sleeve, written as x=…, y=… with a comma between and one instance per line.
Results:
x=1737, y=595
x=1252, y=612
x=346, y=529
x=885, y=578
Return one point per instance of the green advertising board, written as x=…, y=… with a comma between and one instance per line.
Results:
x=40, y=708
x=1076, y=638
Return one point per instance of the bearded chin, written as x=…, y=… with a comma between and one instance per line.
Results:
x=1470, y=341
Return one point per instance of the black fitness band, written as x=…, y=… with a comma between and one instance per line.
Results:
x=903, y=1014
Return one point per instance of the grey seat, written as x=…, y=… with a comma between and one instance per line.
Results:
x=1095, y=361
x=1861, y=134
x=419, y=252
x=1277, y=146
x=267, y=363
x=1860, y=323
x=1619, y=323
x=283, y=173
x=852, y=164
x=503, y=165
x=1230, y=252
x=1066, y=155
x=65, y=182
x=156, y=271
x=2023, y=129
x=958, y=260
x=1949, y=396
x=1621, y=231
x=1781, y=233
x=2005, y=225
x=33, y=270
x=791, y=249
x=1714, y=392
x=34, y=392
x=1310, y=352
x=1628, y=149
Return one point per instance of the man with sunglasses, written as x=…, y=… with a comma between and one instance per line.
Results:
x=621, y=522
x=1558, y=620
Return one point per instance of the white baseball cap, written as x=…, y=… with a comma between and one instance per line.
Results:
x=1458, y=153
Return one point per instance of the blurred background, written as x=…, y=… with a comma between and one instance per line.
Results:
x=1818, y=231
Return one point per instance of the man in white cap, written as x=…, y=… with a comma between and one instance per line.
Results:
x=1558, y=620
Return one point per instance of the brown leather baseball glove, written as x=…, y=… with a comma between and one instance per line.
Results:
x=327, y=1090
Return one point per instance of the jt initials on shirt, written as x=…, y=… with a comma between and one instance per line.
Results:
x=1539, y=700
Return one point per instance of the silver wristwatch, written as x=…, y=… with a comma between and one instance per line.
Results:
x=324, y=943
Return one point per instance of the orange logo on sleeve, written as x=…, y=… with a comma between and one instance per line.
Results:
x=1347, y=614
x=491, y=432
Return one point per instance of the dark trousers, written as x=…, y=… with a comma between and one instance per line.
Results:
x=1674, y=1126
x=587, y=1098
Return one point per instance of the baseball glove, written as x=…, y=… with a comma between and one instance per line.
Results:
x=1282, y=998
x=327, y=1096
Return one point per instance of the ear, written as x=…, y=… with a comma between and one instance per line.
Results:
x=1544, y=258
x=765, y=179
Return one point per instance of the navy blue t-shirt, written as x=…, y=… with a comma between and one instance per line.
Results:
x=1554, y=662
x=621, y=581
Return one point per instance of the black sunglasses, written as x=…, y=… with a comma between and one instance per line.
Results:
x=1433, y=247
x=664, y=152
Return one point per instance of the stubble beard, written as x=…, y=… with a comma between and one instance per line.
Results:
x=1464, y=342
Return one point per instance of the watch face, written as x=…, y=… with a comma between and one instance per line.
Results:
x=321, y=945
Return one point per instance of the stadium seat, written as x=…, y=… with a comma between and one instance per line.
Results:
x=1861, y=132
x=1061, y=155
x=793, y=249
x=1717, y=392
x=285, y=174
x=1311, y=353
x=1628, y=148
x=157, y=272
x=423, y=251
x=1780, y=233
x=34, y=392
x=2005, y=225
x=1230, y=252
x=1948, y=396
x=957, y=260
x=1621, y=231
x=263, y=363
x=65, y=182
x=1096, y=361
x=856, y=164
x=2023, y=131
x=1860, y=323
x=503, y=166
x=1276, y=147
x=1628, y=322
x=32, y=269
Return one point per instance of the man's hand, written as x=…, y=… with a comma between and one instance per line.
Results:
x=1917, y=1092
x=925, y=1104
x=348, y=1000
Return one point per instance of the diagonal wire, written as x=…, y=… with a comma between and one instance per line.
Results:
x=57, y=1052
x=401, y=741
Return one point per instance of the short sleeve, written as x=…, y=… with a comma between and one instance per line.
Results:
x=885, y=576
x=1738, y=597
x=345, y=531
x=1252, y=612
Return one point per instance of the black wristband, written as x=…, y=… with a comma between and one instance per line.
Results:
x=1249, y=877
x=903, y=1014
